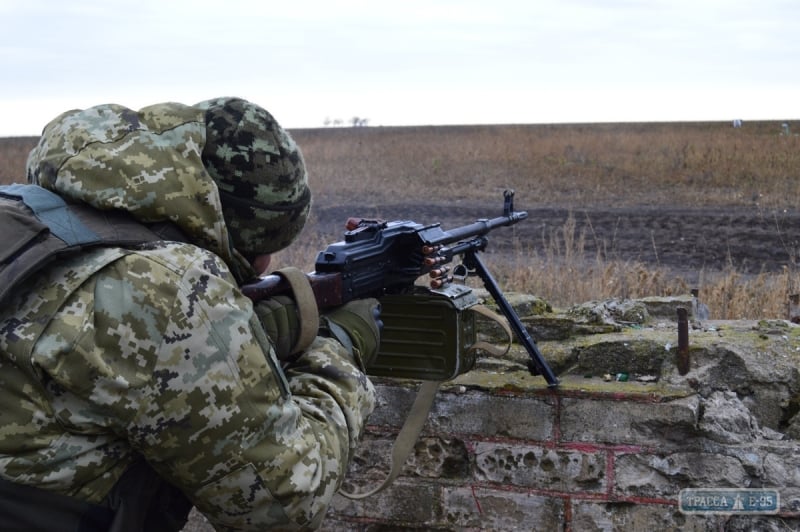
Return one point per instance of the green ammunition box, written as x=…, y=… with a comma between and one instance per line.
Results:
x=427, y=334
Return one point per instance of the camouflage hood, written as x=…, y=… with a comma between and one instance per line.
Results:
x=159, y=165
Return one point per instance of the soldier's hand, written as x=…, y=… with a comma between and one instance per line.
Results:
x=360, y=321
x=281, y=322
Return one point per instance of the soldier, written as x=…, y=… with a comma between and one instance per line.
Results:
x=135, y=378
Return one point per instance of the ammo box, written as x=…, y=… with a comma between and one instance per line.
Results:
x=427, y=335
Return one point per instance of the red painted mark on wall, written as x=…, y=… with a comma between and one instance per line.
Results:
x=477, y=502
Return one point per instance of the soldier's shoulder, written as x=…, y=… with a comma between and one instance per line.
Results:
x=178, y=257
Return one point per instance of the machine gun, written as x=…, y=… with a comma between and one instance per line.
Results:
x=428, y=332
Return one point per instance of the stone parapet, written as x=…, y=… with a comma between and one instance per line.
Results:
x=609, y=449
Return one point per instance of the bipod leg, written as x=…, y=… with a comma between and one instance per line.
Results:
x=537, y=365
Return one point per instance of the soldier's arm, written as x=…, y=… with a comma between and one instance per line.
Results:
x=212, y=411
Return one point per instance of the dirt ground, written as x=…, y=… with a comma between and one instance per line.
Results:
x=684, y=240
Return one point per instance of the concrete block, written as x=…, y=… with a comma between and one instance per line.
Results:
x=589, y=515
x=471, y=412
x=481, y=508
x=671, y=423
x=540, y=468
x=401, y=502
x=394, y=402
x=432, y=457
x=520, y=417
x=658, y=476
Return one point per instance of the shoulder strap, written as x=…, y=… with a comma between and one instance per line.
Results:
x=52, y=211
x=406, y=438
x=492, y=349
x=39, y=226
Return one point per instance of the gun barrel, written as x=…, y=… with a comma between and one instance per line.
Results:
x=479, y=228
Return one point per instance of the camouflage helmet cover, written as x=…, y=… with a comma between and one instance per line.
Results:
x=260, y=174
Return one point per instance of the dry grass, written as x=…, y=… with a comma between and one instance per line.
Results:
x=564, y=277
x=690, y=164
x=13, y=153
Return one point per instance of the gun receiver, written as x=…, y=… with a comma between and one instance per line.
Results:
x=379, y=258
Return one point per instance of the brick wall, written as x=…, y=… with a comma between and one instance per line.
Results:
x=556, y=460
x=501, y=451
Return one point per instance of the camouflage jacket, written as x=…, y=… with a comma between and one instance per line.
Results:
x=154, y=351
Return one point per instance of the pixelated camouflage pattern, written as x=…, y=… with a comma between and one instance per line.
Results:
x=156, y=351
x=244, y=143
x=152, y=163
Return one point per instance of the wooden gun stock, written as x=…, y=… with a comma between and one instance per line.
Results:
x=327, y=288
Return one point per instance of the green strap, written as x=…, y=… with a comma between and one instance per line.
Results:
x=306, y=307
x=407, y=436
x=483, y=310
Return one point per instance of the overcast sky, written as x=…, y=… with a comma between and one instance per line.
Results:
x=406, y=62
